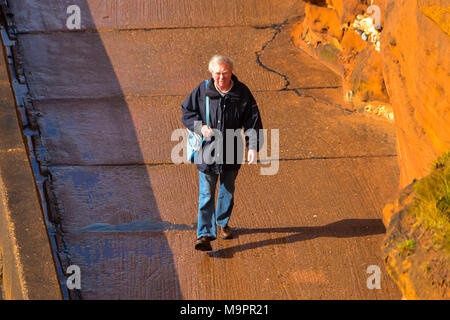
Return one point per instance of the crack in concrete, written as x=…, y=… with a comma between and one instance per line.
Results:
x=144, y=29
x=277, y=30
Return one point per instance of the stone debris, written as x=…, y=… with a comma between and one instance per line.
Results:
x=364, y=25
x=380, y=110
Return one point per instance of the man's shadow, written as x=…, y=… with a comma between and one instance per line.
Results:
x=347, y=228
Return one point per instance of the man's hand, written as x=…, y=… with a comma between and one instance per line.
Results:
x=251, y=157
x=207, y=131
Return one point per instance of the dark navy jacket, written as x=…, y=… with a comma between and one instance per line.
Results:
x=236, y=110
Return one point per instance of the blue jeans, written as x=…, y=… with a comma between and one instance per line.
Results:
x=207, y=216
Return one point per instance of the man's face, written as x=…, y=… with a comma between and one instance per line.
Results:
x=222, y=76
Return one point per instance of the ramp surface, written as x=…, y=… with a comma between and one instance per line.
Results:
x=107, y=99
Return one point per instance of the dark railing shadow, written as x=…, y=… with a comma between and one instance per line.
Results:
x=347, y=228
x=154, y=249
x=76, y=63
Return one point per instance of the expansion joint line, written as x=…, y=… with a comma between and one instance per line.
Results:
x=263, y=161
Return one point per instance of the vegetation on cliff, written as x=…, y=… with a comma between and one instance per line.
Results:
x=432, y=202
x=417, y=242
x=404, y=75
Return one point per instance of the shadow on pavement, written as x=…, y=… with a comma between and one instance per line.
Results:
x=347, y=228
x=83, y=108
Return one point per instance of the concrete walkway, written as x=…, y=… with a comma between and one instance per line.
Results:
x=107, y=98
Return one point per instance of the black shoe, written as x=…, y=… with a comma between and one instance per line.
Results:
x=203, y=244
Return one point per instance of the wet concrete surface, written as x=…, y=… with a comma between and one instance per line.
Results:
x=106, y=100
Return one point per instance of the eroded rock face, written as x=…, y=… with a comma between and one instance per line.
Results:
x=416, y=246
x=416, y=50
x=420, y=270
x=326, y=34
x=366, y=79
x=411, y=75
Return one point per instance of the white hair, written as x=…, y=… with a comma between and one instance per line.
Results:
x=219, y=60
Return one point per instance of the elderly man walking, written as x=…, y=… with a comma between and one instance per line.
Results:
x=232, y=107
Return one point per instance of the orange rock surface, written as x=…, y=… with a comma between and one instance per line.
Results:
x=416, y=50
x=420, y=271
x=326, y=34
x=409, y=73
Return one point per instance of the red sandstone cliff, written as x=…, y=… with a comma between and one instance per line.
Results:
x=416, y=69
x=403, y=65
x=410, y=74
x=327, y=33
